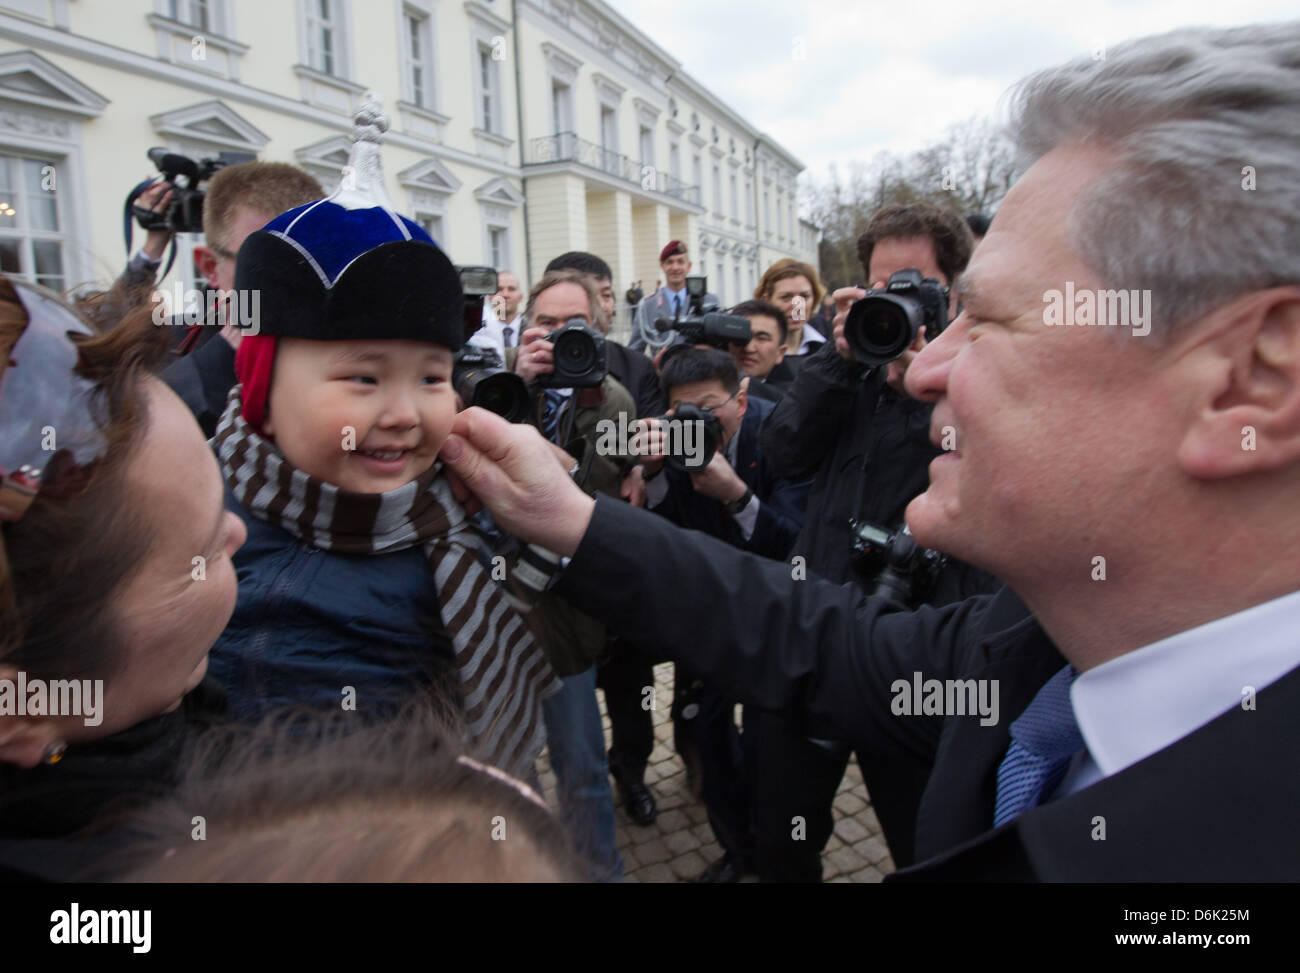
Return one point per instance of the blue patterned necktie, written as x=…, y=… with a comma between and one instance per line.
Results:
x=553, y=403
x=677, y=305
x=1043, y=740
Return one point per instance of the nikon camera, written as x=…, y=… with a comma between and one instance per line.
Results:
x=903, y=571
x=184, y=214
x=579, y=357
x=882, y=325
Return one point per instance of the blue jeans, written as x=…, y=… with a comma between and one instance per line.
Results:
x=576, y=742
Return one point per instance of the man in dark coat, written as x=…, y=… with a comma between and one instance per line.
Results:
x=1140, y=674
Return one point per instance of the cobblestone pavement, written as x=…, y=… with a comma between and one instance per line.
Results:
x=680, y=844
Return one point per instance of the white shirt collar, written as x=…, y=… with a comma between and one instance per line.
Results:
x=1140, y=703
x=810, y=334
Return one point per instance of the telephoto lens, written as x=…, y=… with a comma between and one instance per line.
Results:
x=480, y=380
x=882, y=325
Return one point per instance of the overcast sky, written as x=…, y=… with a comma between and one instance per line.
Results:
x=893, y=75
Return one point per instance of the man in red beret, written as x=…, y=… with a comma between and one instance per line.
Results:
x=665, y=302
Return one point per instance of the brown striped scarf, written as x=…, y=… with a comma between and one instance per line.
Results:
x=503, y=673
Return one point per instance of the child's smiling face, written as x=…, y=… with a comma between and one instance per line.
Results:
x=366, y=416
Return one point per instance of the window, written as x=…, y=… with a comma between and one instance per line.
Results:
x=737, y=294
x=608, y=139
x=490, y=119
x=717, y=189
x=697, y=171
x=431, y=223
x=767, y=213
x=749, y=202
x=193, y=13
x=735, y=199
x=419, y=57
x=31, y=241
x=561, y=107
x=322, y=36
x=647, y=146
x=675, y=161
x=498, y=247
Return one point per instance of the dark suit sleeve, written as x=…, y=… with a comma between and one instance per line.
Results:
x=203, y=380
x=647, y=392
x=817, y=651
x=780, y=518
x=807, y=420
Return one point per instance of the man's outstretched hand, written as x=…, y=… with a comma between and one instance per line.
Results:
x=513, y=471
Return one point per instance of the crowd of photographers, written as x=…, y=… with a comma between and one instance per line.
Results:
x=783, y=426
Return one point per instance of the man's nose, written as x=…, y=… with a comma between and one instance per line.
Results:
x=927, y=376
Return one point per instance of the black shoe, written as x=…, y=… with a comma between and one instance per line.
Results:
x=721, y=872
x=638, y=800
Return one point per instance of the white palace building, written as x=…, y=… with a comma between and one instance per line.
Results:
x=519, y=129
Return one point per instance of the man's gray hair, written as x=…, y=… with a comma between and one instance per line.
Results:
x=553, y=277
x=1187, y=112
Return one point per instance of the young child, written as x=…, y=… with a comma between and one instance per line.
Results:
x=362, y=582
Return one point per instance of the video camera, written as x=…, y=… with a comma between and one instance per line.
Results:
x=903, y=571
x=882, y=325
x=580, y=360
x=703, y=323
x=186, y=176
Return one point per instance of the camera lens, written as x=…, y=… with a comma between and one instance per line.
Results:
x=577, y=351
x=879, y=328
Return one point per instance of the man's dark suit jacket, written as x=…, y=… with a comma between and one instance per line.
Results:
x=636, y=373
x=780, y=502
x=1218, y=805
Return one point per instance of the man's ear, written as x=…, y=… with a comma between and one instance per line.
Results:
x=205, y=259
x=742, y=397
x=1246, y=418
x=24, y=739
x=781, y=356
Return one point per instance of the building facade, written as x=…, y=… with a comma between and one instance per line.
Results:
x=518, y=129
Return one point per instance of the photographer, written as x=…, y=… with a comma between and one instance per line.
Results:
x=239, y=199
x=568, y=414
x=734, y=497
x=869, y=445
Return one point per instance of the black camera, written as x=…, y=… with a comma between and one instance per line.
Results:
x=691, y=437
x=882, y=325
x=579, y=357
x=703, y=323
x=184, y=214
x=480, y=378
x=903, y=571
x=477, y=284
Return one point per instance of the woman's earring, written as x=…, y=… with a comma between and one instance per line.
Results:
x=54, y=752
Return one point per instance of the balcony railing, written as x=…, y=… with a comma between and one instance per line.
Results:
x=567, y=147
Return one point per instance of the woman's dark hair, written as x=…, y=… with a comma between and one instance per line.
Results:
x=307, y=798
x=63, y=564
x=699, y=365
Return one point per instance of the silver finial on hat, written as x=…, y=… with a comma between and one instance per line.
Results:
x=362, y=185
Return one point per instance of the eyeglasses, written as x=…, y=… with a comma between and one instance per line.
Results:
x=706, y=408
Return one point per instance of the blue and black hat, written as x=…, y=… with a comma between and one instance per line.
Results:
x=329, y=273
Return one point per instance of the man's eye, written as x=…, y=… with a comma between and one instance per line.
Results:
x=364, y=379
x=434, y=379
